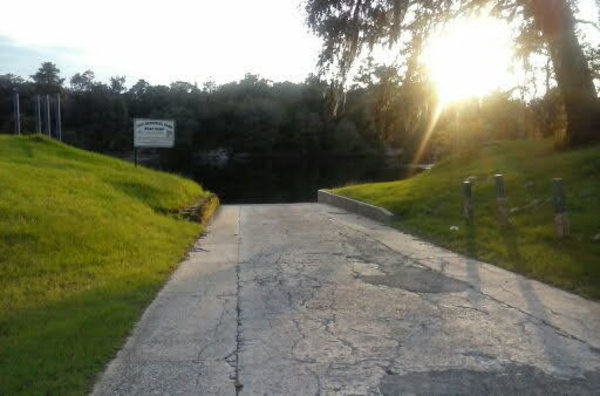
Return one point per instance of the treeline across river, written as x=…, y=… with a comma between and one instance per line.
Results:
x=379, y=112
x=252, y=116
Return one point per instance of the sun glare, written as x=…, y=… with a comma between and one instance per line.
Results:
x=469, y=58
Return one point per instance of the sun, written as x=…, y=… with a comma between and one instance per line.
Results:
x=469, y=58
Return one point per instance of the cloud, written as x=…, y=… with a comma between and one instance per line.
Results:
x=24, y=60
x=163, y=42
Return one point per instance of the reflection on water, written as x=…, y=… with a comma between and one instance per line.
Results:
x=277, y=180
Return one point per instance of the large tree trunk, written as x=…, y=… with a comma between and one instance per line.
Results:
x=556, y=21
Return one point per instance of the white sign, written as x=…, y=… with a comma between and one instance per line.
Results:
x=153, y=133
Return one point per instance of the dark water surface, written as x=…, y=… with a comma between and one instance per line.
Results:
x=277, y=180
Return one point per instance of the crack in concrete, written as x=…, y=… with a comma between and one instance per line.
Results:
x=537, y=320
x=305, y=325
x=317, y=380
x=531, y=317
x=214, y=339
x=483, y=311
x=297, y=341
x=236, y=379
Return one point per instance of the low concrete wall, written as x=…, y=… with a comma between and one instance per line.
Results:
x=354, y=206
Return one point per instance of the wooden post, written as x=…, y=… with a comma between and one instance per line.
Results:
x=48, y=126
x=501, y=199
x=38, y=114
x=561, y=218
x=468, y=200
x=58, y=119
x=17, y=113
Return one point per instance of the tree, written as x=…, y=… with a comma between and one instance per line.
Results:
x=347, y=26
x=47, y=78
x=83, y=81
x=117, y=84
x=209, y=86
x=11, y=80
x=555, y=20
x=139, y=89
x=383, y=83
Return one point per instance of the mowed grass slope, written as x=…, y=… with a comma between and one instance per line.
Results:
x=430, y=203
x=85, y=244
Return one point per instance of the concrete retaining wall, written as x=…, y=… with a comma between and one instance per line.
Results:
x=354, y=206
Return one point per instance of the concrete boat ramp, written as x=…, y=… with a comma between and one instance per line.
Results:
x=308, y=299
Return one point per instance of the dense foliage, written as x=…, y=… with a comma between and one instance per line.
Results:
x=253, y=115
x=380, y=111
x=348, y=27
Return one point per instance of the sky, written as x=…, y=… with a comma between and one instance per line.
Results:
x=160, y=41
x=164, y=41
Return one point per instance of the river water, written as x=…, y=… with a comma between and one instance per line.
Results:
x=278, y=180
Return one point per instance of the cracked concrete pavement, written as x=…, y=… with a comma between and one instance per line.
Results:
x=310, y=299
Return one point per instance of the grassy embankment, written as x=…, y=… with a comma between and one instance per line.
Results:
x=86, y=241
x=430, y=203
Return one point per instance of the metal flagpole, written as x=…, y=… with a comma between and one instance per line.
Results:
x=38, y=114
x=58, y=120
x=48, y=126
x=17, y=115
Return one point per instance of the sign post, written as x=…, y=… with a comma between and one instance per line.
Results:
x=152, y=134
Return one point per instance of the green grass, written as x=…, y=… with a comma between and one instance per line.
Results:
x=86, y=241
x=430, y=203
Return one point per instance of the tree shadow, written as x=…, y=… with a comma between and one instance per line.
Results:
x=474, y=295
x=510, y=239
x=553, y=343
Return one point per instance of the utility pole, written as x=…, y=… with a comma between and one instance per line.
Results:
x=38, y=115
x=48, y=126
x=17, y=115
x=58, y=120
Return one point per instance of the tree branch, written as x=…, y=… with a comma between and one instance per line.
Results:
x=585, y=22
